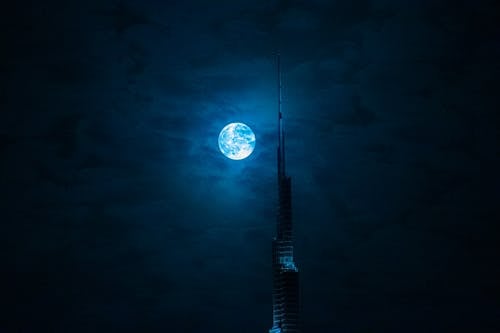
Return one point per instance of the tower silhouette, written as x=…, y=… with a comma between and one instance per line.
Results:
x=285, y=272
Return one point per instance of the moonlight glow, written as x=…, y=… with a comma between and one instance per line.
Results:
x=236, y=141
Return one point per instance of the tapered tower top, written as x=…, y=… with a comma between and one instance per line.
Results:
x=281, y=134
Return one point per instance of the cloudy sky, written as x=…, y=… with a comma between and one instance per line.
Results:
x=118, y=213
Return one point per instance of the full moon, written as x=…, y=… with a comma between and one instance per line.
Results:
x=236, y=141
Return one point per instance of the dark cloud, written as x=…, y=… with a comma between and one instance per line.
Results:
x=124, y=16
x=119, y=212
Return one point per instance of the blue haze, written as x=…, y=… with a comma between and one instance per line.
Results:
x=119, y=214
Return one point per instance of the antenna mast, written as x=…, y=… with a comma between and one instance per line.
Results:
x=281, y=136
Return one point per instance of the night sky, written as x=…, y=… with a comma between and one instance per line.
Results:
x=118, y=213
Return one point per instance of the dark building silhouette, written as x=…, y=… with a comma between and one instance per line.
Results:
x=285, y=272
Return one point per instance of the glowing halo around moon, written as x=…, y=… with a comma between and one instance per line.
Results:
x=236, y=141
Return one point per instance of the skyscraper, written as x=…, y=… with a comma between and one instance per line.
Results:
x=285, y=272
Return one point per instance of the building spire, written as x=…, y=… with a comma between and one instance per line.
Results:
x=285, y=272
x=281, y=134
